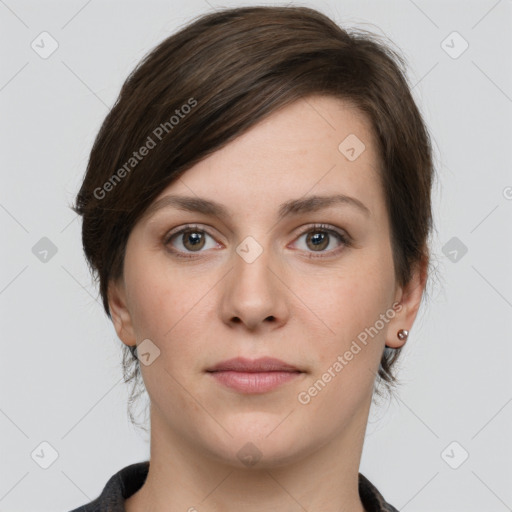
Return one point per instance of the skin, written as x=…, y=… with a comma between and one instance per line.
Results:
x=304, y=311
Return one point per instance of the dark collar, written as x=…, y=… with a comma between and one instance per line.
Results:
x=130, y=479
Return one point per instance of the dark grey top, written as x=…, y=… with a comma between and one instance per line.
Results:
x=130, y=479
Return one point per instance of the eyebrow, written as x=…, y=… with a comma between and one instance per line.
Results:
x=286, y=209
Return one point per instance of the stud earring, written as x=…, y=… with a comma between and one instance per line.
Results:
x=402, y=334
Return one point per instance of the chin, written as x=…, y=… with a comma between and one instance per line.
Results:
x=256, y=446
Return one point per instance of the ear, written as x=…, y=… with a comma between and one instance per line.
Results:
x=120, y=313
x=409, y=299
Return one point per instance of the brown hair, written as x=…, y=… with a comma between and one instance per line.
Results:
x=221, y=74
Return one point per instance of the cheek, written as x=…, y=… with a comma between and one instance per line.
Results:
x=159, y=295
x=354, y=310
x=164, y=309
x=170, y=307
x=354, y=297
x=348, y=356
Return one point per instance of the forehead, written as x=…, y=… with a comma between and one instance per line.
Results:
x=316, y=145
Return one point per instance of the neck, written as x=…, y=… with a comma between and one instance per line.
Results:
x=182, y=477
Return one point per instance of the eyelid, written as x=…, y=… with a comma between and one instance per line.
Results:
x=186, y=227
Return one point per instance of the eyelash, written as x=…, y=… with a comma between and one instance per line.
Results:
x=343, y=238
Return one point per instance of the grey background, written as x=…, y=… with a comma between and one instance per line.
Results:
x=61, y=381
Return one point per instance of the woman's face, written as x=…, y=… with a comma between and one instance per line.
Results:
x=275, y=274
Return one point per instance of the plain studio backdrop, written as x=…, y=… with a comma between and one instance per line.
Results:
x=442, y=444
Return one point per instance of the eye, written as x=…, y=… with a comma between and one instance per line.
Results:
x=189, y=239
x=319, y=238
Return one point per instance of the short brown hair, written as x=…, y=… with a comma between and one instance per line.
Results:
x=232, y=68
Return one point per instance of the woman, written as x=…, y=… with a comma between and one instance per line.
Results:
x=257, y=210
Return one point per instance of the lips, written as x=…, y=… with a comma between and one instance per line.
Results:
x=254, y=376
x=263, y=364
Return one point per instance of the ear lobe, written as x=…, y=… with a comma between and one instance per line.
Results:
x=119, y=312
x=409, y=298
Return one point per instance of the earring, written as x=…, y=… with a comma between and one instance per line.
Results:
x=402, y=334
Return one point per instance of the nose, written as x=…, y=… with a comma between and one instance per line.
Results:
x=254, y=294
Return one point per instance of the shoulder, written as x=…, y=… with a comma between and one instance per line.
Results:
x=119, y=487
x=372, y=499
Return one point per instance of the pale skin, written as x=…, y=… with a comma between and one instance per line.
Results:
x=305, y=311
